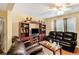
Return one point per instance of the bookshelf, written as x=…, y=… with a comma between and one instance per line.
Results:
x=42, y=28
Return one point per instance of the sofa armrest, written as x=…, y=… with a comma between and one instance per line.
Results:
x=74, y=42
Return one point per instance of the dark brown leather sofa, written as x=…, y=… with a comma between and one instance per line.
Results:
x=68, y=40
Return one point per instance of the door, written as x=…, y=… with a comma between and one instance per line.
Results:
x=1, y=32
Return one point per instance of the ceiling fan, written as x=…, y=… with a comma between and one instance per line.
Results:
x=60, y=7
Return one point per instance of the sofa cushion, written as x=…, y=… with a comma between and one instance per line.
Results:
x=67, y=39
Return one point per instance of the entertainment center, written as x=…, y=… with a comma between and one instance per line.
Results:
x=31, y=31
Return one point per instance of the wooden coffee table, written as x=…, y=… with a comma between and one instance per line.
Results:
x=50, y=46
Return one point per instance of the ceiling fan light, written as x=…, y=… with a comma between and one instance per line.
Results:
x=60, y=12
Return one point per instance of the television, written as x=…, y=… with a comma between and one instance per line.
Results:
x=35, y=30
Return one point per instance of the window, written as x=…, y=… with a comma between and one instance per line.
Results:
x=71, y=24
x=59, y=25
x=66, y=25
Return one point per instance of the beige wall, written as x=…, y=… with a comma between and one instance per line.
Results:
x=32, y=25
x=48, y=26
x=49, y=20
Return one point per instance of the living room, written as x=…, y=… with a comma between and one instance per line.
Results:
x=33, y=22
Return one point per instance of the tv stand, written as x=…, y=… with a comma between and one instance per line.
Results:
x=35, y=38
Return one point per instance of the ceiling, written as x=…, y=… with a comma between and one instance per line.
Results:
x=6, y=6
x=3, y=6
x=40, y=10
